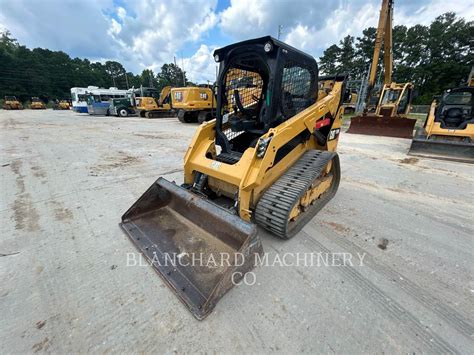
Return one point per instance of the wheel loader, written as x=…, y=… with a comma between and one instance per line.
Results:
x=448, y=132
x=193, y=104
x=37, y=104
x=12, y=103
x=151, y=107
x=390, y=118
x=272, y=164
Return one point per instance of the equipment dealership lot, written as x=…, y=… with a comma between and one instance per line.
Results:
x=65, y=285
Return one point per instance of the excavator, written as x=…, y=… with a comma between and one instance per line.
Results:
x=448, y=132
x=151, y=107
x=268, y=159
x=193, y=103
x=390, y=116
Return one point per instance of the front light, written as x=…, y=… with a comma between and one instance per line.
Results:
x=262, y=146
x=216, y=57
x=268, y=47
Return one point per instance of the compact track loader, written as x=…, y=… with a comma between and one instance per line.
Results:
x=268, y=159
x=448, y=132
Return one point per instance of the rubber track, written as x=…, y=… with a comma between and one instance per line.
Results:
x=275, y=205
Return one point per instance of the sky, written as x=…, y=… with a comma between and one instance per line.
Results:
x=148, y=33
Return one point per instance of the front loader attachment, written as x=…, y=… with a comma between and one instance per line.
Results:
x=444, y=149
x=374, y=125
x=199, y=249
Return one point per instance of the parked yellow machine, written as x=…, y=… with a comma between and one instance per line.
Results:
x=12, y=103
x=61, y=105
x=151, y=107
x=390, y=117
x=192, y=103
x=37, y=104
x=448, y=132
x=351, y=101
x=270, y=162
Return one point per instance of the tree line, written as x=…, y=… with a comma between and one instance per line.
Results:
x=434, y=57
x=50, y=74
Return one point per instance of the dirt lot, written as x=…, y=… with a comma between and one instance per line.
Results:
x=65, y=285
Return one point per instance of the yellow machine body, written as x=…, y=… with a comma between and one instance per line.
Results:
x=390, y=116
x=251, y=176
x=193, y=103
x=12, y=103
x=37, y=104
x=150, y=107
x=268, y=158
x=351, y=101
x=448, y=132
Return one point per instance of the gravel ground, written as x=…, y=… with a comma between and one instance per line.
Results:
x=65, y=286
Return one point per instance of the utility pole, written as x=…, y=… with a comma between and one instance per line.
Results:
x=280, y=28
x=175, y=65
x=182, y=70
x=151, y=78
x=113, y=78
x=126, y=80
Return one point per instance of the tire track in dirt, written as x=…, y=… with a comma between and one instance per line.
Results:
x=24, y=212
x=444, y=311
x=392, y=308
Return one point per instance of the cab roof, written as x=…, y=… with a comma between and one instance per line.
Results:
x=224, y=51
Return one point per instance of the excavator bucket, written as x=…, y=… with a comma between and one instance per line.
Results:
x=198, y=248
x=374, y=125
x=443, y=149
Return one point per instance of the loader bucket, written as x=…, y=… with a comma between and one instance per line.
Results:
x=198, y=248
x=374, y=125
x=442, y=149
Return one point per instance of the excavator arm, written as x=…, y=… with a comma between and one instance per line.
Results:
x=384, y=33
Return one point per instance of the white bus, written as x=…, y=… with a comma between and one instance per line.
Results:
x=79, y=99
x=98, y=99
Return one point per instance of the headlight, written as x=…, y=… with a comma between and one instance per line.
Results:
x=216, y=58
x=262, y=146
x=268, y=47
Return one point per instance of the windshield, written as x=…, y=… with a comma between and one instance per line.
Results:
x=390, y=96
x=458, y=98
x=10, y=98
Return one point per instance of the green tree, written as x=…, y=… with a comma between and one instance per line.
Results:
x=171, y=74
x=115, y=70
x=433, y=57
x=328, y=63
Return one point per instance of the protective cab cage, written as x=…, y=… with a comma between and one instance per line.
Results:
x=456, y=108
x=252, y=74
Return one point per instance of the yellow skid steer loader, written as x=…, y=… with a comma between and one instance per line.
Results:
x=448, y=132
x=270, y=162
